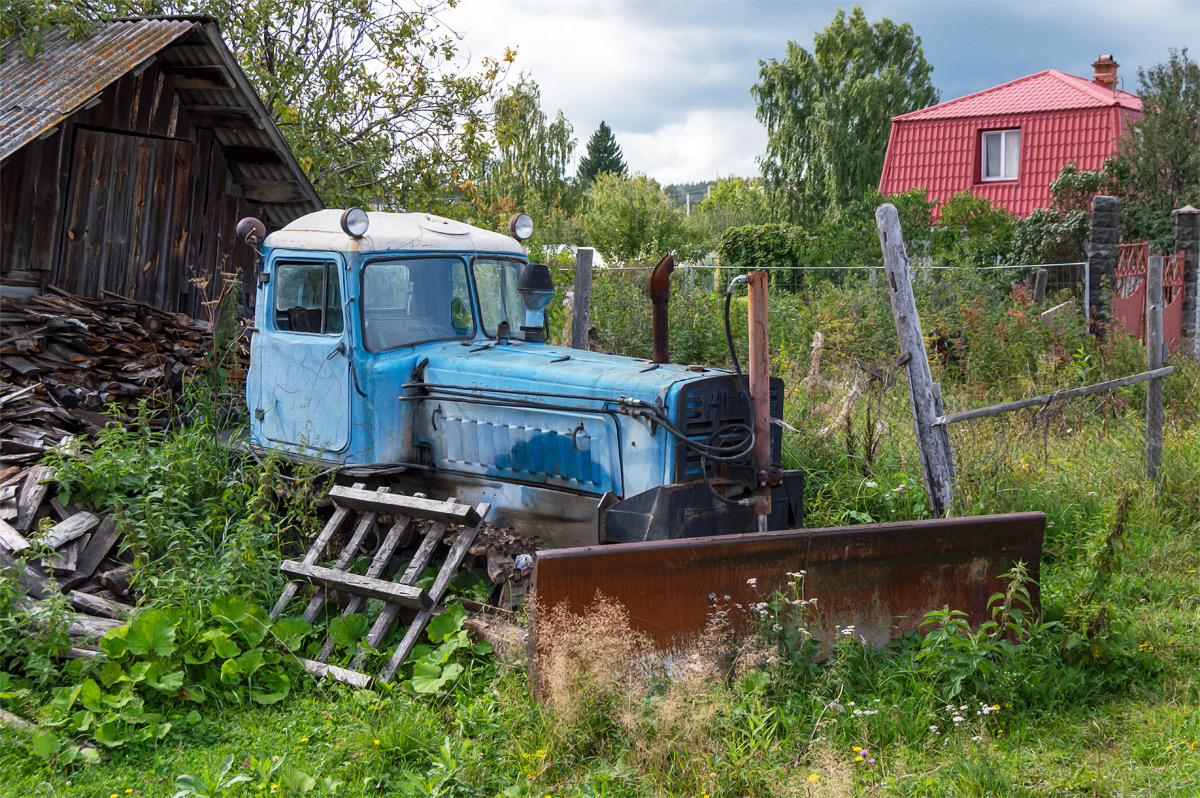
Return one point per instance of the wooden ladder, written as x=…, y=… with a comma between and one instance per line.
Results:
x=396, y=593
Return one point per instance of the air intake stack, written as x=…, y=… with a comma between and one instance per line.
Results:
x=536, y=289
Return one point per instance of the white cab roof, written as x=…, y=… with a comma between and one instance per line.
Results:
x=390, y=231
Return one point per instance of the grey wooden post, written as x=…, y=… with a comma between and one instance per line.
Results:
x=1039, y=288
x=581, y=311
x=1154, y=359
x=937, y=461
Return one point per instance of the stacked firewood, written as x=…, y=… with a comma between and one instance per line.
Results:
x=66, y=549
x=65, y=359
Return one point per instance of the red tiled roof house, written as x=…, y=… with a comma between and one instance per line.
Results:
x=1008, y=143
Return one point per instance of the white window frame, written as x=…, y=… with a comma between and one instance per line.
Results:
x=983, y=160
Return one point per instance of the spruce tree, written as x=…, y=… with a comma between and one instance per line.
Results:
x=603, y=155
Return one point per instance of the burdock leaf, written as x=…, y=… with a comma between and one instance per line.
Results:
x=152, y=633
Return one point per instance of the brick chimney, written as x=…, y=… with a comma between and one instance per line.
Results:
x=1106, y=71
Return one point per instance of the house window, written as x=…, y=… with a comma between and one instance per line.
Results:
x=1001, y=154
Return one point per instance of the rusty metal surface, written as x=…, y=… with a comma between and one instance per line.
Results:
x=35, y=93
x=660, y=296
x=759, y=363
x=881, y=578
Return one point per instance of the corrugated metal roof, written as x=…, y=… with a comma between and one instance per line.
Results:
x=942, y=154
x=36, y=93
x=1045, y=91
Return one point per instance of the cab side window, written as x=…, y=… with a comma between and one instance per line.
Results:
x=308, y=298
x=499, y=300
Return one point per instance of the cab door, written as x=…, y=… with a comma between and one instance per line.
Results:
x=304, y=398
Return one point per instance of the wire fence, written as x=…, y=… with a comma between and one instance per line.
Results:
x=1025, y=459
x=835, y=346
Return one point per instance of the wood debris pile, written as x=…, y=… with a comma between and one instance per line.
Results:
x=64, y=358
x=509, y=560
x=79, y=553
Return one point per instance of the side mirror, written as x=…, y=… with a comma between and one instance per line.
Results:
x=253, y=231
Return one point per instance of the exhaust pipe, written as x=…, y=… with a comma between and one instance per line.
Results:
x=660, y=295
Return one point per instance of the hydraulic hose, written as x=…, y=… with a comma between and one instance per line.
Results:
x=737, y=367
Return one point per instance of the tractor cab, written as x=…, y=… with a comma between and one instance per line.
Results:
x=345, y=299
x=410, y=346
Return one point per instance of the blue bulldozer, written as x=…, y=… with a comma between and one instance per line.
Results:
x=410, y=350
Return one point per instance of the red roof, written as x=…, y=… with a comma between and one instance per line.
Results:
x=1046, y=91
x=1061, y=118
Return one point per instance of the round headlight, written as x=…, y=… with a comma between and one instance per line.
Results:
x=521, y=226
x=355, y=222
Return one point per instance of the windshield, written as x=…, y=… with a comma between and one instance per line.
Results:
x=499, y=300
x=415, y=300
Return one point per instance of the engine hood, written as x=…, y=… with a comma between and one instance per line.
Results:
x=539, y=368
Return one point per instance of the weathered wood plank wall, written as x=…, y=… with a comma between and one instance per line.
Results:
x=127, y=196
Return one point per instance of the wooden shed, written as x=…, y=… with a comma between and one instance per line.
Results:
x=128, y=157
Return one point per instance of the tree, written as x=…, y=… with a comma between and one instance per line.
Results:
x=1057, y=234
x=631, y=220
x=732, y=202
x=973, y=230
x=603, y=155
x=1157, y=166
x=372, y=96
x=828, y=113
x=529, y=172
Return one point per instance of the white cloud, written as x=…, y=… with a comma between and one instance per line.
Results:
x=703, y=145
x=673, y=78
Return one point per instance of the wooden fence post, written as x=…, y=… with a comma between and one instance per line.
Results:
x=581, y=310
x=937, y=462
x=1039, y=288
x=1154, y=359
x=759, y=364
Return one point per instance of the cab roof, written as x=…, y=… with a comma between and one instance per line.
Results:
x=390, y=231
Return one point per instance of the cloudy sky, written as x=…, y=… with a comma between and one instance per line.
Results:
x=673, y=77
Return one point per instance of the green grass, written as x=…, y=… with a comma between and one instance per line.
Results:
x=1125, y=721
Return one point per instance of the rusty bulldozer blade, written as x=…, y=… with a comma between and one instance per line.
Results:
x=880, y=578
